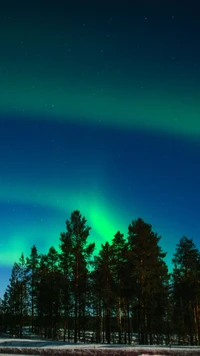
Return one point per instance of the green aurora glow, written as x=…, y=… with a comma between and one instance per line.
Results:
x=126, y=109
x=98, y=211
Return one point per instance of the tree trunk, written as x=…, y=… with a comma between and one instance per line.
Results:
x=75, y=320
x=128, y=323
x=64, y=327
x=119, y=320
x=108, y=325
x=196, y=319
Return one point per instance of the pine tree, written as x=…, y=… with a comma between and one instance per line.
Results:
x=42, y=301
x=54, y=291
x=32, y=273
x=49, y=293
x=16, y=297
x=1, y=316
x=22, y=280
x=186, y=290
x=119, y=269
x=78, y=255
x=6, y=311
x=104, y=288
x=150, y=276
x=66, y=272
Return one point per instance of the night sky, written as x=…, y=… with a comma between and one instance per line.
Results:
x=99, y=111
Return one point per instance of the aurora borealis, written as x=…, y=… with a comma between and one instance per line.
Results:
x=99, y=111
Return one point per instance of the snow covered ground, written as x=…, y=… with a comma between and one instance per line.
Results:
x=42, y=347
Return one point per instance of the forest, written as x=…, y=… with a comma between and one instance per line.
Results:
x=123, y=291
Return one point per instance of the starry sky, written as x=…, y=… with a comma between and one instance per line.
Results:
x=99, y=111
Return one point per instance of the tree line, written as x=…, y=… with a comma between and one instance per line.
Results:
x=126, y=288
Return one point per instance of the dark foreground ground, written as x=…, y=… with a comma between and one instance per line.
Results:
x=38, y=347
